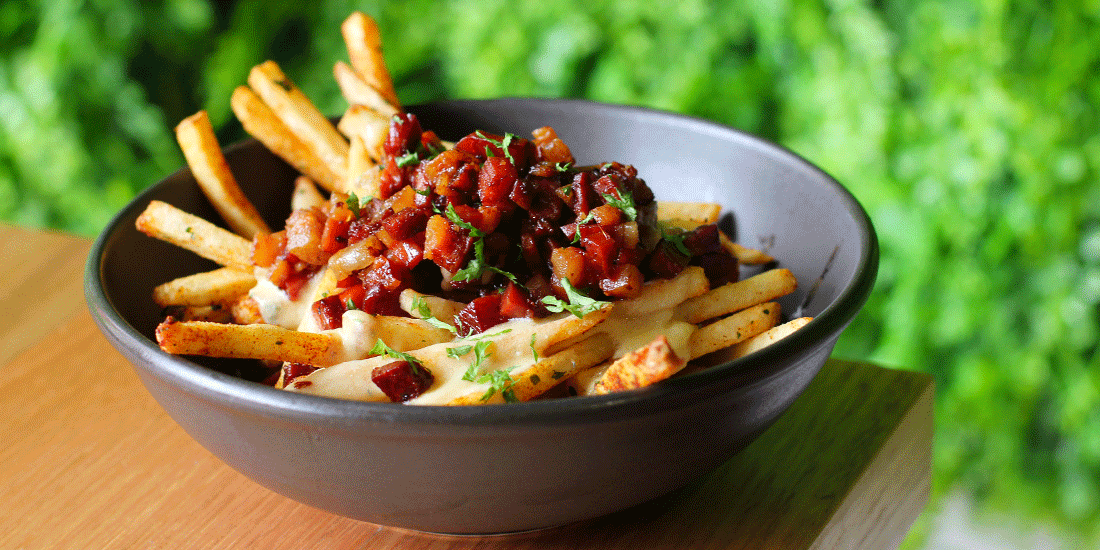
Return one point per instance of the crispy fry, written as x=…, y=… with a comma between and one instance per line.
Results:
x=259, y=341
x=260, y=121
x=370, y=126
x=357, y=92
x=301, y=117
x=440, y=308
x=738, y=295
x=733, y=329
x=364, y=45
x=214, y=313
x=204, y=155
x=744, y=254
x=405, y=334
x=648, y=365
x=531, y=382
x=359, y=163
x=306, y=194
x=768, y=337
x=168, y=223
x=697, y=213
x=246, y=311
x=203, y=289
x=584, y=382
x=665, y=293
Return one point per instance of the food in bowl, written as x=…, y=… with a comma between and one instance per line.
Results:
x=491, y=269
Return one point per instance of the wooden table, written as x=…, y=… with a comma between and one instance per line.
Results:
x=89, y=460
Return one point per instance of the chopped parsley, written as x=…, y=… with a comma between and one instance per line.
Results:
x=503, y=144
x=625, y=203
x=498, y=380
x=408, y=159
x=380, y=348
x=353, y=204
x=477, y=266
x=425, y=313
x=481, y=353
x=563, y=166
x=579, y=304
x=677, y=240
x=349, y=304
x=534, y=352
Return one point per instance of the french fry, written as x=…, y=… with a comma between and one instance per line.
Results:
x=744, y=254
x=440, y=308
x=301, y=117
x=646, y=366
x=359, y=162
x=697, y=213
x=261, y=123
x=768, y=337
x=731, y=330
x=204, y=155
x=405, y=334
x=215, y=313
x=246, y=311
x=531, y=382
x=364, y=45
x=260, y=341
x=357, y=92
x=584, y=382
x=306, y=194
x=738, y=295
x=370, y=126
x=168, y=223
x=203, y=289
x=665, y=293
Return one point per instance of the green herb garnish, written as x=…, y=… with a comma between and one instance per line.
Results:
x=349, y=304
x=380, y=348
x=425, y=313
x=477, y=265
x=677, y=240
x=481, y=353
x=579, y=304
x=407, y=159
x=534, y=352
x=503, y=144
x=353, y=204
x=498, y=380
x=624, y=202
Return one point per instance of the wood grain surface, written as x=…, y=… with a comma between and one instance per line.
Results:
x=91, y=461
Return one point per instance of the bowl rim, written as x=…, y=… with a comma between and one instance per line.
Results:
x=741, y=374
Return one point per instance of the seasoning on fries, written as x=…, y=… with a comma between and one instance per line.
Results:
x=487, y=270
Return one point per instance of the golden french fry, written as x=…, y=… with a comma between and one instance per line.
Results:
x=405, y=334
x=744, y=254
x=584, y=382
x=359, y=163
x=665, y=293
x=261, y=123
x=440, y=308
x=202, y=289
x=693, y=214
x=214, y=313
x=204, y=155
x=738, y=295
x=532, y=381
x=370, y=126
x=646, y=366
x=306, y=194
x=364, y=45
x=731, y=330
x=260, y=341
x=357, y=92
x=768, y=337
x=246, y=311
x=168, y=223
x=301, y=117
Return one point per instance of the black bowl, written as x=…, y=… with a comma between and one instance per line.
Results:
x=512, y=467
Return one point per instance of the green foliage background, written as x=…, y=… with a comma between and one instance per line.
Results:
x=969, y=130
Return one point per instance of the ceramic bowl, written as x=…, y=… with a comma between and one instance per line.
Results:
x=523, y=466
